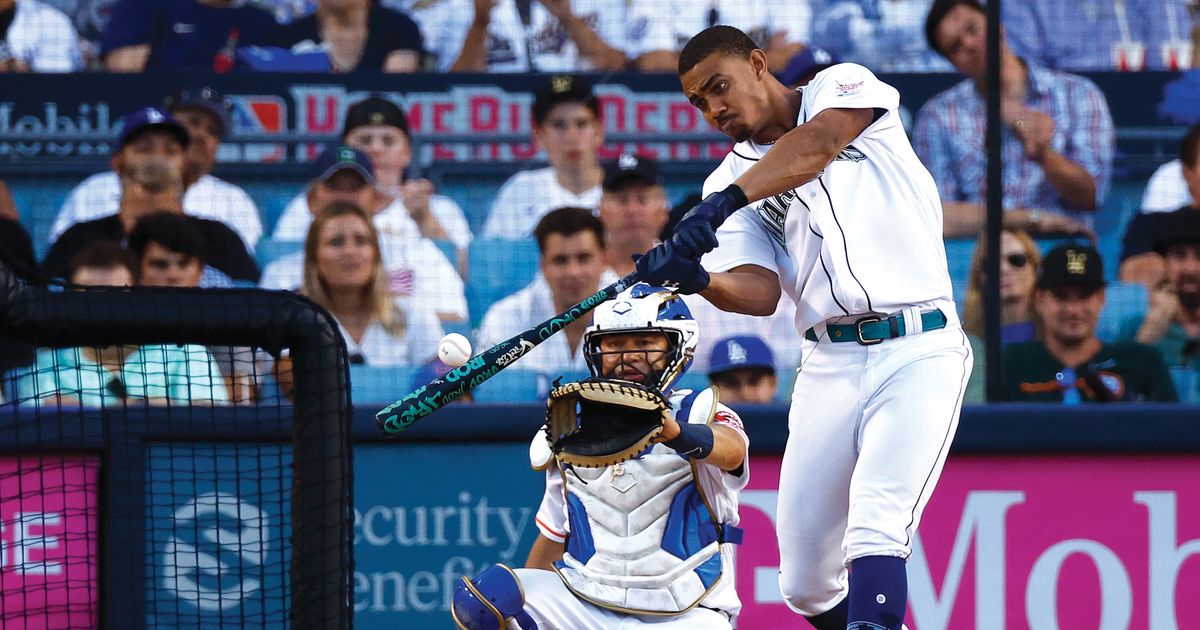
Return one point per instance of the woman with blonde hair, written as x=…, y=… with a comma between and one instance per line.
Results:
x=1019, y=260
x=345, y=274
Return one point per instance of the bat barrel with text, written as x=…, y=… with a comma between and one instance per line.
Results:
x=400, y=415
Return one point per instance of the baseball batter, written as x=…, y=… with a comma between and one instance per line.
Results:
x=823, y=196
x=644, y=542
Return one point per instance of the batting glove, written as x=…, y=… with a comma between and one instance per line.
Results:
x=665, y=267
x=696, y=233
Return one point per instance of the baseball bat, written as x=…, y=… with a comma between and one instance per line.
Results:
x=439, y=392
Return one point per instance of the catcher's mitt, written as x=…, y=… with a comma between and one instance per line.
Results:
x=599, y=422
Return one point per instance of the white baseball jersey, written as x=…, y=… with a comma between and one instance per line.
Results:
x=528, y=196
x=1167, y=190
x=760, y=20
x=43, y=38
x=525, y=309
x=393, y=220
x=416, y=268
x=865, y=236
x=610, y=486
x=444, y=23
x=209, y=198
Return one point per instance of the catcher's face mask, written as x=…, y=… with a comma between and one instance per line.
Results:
x=639, y=357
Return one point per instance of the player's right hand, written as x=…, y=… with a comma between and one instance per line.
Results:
x=665, y=267
x=696, y=233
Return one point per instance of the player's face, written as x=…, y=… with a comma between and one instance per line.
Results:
x=754, y=386
x=204, y=132
x=962, y=38
x=1183, y=270
x=1069, y=315
x=572, y=265
x=388, y=148
x=161, y=267
x=1016, y=270
x=102, y=277
x=634, y=214
x=728, y=90
x=633, y=356
x=344, y=185
x=153, y=146
x=345, y=253
x=570, y=134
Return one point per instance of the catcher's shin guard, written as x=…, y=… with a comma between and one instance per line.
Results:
x=490, y=600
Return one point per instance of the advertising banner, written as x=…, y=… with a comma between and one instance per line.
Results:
x=1026, y=542
x=49, y=524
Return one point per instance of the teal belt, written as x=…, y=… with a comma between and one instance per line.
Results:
x=873, y=329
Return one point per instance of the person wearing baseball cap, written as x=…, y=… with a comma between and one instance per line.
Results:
x=805, y=65
x=380, y=127
x=1070, y=364
x=633, y=209
x=742, y=368
x=566, y=123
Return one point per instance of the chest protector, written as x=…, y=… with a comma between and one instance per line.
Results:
x=643, y=538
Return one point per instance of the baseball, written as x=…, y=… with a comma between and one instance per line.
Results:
x=454, y=349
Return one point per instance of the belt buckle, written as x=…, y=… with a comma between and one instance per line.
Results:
x=859, y=332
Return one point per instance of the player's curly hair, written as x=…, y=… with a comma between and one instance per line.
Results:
x=722, y=39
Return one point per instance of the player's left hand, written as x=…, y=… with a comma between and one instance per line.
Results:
x=696, y=233
x=663, y=266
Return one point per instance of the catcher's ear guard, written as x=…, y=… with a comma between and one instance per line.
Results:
x=599, y=422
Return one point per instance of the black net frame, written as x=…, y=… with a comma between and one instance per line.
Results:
x=320, y=565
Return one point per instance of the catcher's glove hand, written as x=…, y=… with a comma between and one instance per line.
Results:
x=599, y=422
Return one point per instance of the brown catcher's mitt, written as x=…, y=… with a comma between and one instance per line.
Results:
x=599, y=422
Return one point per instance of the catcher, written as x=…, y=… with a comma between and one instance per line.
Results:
x=641, y=505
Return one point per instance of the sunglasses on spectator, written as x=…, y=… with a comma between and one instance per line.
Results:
x=1016, y=261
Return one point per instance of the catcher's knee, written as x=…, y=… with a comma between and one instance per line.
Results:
x=490, y=600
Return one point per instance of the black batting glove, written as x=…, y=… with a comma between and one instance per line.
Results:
x=696, y=233
x=665, y=267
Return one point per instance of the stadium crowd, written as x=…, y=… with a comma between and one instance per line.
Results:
x=391, y=257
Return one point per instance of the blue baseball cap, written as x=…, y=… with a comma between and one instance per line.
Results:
x=742, y=351
x=806, y=63
x=146, y=119
x=340, y=158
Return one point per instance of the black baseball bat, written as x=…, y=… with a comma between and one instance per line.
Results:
x=439, y=392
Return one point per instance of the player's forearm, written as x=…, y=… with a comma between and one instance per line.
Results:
x=1074, y=185
x=544, y=553
x=748, y=289
x=729, y=448
x=801, y=155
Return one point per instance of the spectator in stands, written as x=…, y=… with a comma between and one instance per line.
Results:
x=1140, y=262
x=1070, y=364
x=16, y=253
x=195, y=34
x=1019, y=260
x=553, y=36
x=743, y=370
x=1057, y=145
x=883, y=35
x=148, y=188
x=415, y=265
x=633, y=209
x=36, y=37
x=118, y=375
x=571, y=242
x=344, y=273
x=805, y=65
x=566, y=123
x=781, y=29
x=1172, y=322
x=1101, y=35
x=379, y=127
x=356, y=35
x=206, y=117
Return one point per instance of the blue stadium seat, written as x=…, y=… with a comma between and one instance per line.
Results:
x=1123, y=302
x=692, y=380
x=958, y=260
x=514, y=386
x=1187, y=383
x=497, y=268
x=379, y=385
x=270, y=250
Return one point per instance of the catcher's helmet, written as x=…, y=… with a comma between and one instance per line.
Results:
x=645, y=308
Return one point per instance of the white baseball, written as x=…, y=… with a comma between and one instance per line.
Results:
x=454, y=350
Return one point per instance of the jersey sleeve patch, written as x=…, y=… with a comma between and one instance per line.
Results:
x=728, y=418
